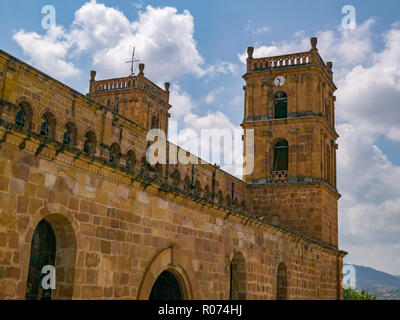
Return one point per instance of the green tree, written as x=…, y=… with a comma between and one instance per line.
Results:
x=350, y=294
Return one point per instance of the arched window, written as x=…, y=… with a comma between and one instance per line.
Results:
x=176, y=178
x=44, y=128
x=328, y=164
x=158, y=171
x=43, y=252
x=89, y=146
x=207, y=192
x=115, y=154
x=69, y=137
x=188, y=185
x=47, y=128
x=23, y=117
x=228, y=201
x=131, y=160
x=238, y=278
x=154, y=122
x=53, y=244
x=282, y=283
x=220, y=198
x=116, y=108
x=20, y=118
x=197, y=189
x=327, y=110
x=236, y=203
x=281, y=156
x=280, y=103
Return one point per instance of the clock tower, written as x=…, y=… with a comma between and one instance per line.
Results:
x=289, y=103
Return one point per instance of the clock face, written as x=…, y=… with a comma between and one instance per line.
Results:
x=279, y=81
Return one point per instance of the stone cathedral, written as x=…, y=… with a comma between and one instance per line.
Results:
x=77, y=193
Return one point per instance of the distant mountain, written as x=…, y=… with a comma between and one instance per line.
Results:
x=383, y=285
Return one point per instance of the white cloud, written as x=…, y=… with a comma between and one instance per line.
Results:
x=48, y=52
x=210, y=98
x=223, y=67
x=137, y=5
x=384, y=258
x=192, y=126
x=256, y=30
x=181, y=101
x=163, y=37
x=164, y=42
x=368, y=107
x=371, y=95
x=97, y=27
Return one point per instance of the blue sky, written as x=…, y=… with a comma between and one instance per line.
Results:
x=198, y=48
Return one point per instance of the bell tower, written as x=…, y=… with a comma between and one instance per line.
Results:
x=289, y=103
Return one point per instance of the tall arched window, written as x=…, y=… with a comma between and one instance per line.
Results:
x=115, y=153
x=238, y=278
x=43, y=252
x=188, y=184
x=228, y=201
x=131, y=160
x=20, y=117
x=281, y=156
x=89, y=146
x=53, y=244
x=154, y=122
x=327, y=110
x=282, y=283
x=158, y=171
x=328, y=171
x=24, y=116
x=220, y=198
x=197, y=189
x=176, y=178
x=280, y=103
x=207, y=192
x=48, y=126
x=69, y=137
x=44, y=128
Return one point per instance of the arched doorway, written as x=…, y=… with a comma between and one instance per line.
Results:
x=180, y=268
x=43, y=252
x=282, y=284
x=166, y=287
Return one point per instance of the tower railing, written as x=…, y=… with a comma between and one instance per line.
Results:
x=294, y=59
x=279, y=176
x=128, y=83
